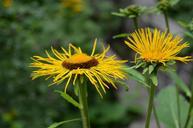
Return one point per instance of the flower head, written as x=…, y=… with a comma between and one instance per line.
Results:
x=157, y=46
x=98, y=68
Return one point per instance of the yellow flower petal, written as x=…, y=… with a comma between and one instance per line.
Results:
x=100, y=70
x=156, y=46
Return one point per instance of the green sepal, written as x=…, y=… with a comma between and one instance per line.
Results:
x=118, y=14
x=76, y=90
x=145, y=70
x=151, y=68
x=168, y=67
x=75, y=86
x=153, y=9
x=82, y=79
x=131, y=11
x=164, y=5
x=56, y=124
x=69, y=98
x=154, y=78
x=139, y=64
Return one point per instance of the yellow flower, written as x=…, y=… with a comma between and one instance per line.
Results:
x=7, y=3
x=74, y=5
x=157, y=46
x=98, y=68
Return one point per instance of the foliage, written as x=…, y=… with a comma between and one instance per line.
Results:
x=28, y=27
x=164, y=5
x=132, y=11
x=168, y=108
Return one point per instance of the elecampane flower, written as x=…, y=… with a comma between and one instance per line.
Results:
x=157, y=46
x=98, y=68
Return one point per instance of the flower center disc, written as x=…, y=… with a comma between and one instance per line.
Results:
x=79, y=61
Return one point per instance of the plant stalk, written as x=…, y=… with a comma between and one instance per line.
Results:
x=178, y=106
x=135, y=22
x=156, y=117
x=189, y=110
x=166, y=21
x=150, y=105
x=84, y=105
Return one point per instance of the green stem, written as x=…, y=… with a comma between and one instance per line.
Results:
x=178, y=106
x=84, y=105
x=150, y=105
x=166, y=21
x=156, y=117
x=135, y=22
x=189, y=111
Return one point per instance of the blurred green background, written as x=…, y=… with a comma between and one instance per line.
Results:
x=29, y=28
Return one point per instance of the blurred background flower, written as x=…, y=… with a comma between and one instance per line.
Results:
x=74, y=5
x=7, y=3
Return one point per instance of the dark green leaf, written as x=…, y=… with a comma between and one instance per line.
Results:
x=76, y=89
x=136, y=75
x=189, y=34
x=183, y=24
x=122, y=35
x=118, y=14
x=180, y=83
x=54, y=125
x=69, y=99
x=168, y=110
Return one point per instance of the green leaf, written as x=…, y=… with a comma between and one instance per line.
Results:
x=54, y=125
x=180, y=83
x=145, y=70
x=190, y=124
x=69, y=99
x=151, y=68
x=135, y=75
x=183, y=24
x=153, y=9
x=109, y=112
x=171, y=63
x=139, y=64
x=168, y=110
x=118, y=14
x=122, y=35
x=154, y=79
